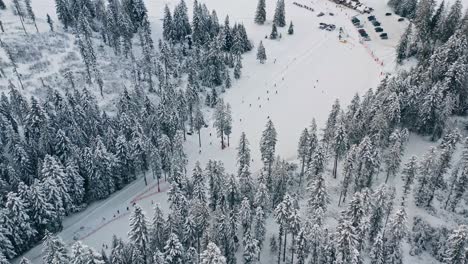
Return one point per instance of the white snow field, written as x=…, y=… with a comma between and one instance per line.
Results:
x=302, y=77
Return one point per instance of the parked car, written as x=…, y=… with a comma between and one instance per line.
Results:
x=378, y=29
x=331, y=14
x=401, y=19
x=321, y=14
x=363, y=33
x=355, y=20
x=388, y=14
x=384, y=36
x=376, y=23
x=371, y=18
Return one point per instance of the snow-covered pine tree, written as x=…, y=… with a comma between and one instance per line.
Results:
x=18, y=223
x=291, y=28
x=262, y=197
x=54, y=250
x=251, y=249
x=212, y=255
x=280, y=17
x=274, y=32
x=346, y=241
x=260, y=14
x=339, y=142
x=302, y=151
x=228, y=128
x=402, y=51
x=2, y=5
x=243, y=172
x=392, y=159
x=377, y=254
x=237, y=69
x=41, y=211
x=245, y=214
x=173, y=250
x=261, y=54
x=282, y=215
x=348, y=173
x=368, y=162
x=409, y=173
x=138, y=234
x=456, y=245
x=459, y=180
x=452, y=21
x=6, y=246
x=168, y=30
x=268, y=146
x=397, y=230
x=231, y=192
x=259, y=227
x=220, y=120
x=377, y=215
x=424, y=185
x=318, y=199
x=181, y=22
x=198, y=122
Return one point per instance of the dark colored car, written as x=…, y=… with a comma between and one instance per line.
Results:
x=362, y=32
x=355, y=20
x=401, y=19
x=378, y=29
x=388, y=14
x=371, y=18
x=320, y=14
x=376, y=23
x=384, y=36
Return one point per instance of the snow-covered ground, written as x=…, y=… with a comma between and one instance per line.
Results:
x=302, y=77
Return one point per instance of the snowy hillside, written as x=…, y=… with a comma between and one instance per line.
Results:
x=303, y=78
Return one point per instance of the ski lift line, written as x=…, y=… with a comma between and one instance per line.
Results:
x=277, y=77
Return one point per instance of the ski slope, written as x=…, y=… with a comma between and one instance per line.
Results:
x=302, y=77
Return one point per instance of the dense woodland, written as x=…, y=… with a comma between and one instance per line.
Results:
x=61, y=152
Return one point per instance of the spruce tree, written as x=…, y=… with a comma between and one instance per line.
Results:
x=409, y=173
x=452, y=21
x=279, y=18
x=168, y=30
x=260, y=14
x=261, y=55
x=274, y=32
x=302, y=151
x=268, y=146
x=212, y=255
x=456, y=245
x=54, y=250
x=318, y=199
x=173, y=250
x=251, y=250
x=402, y=48
x=291, y=28
x=31, y=14
x=138, y=234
